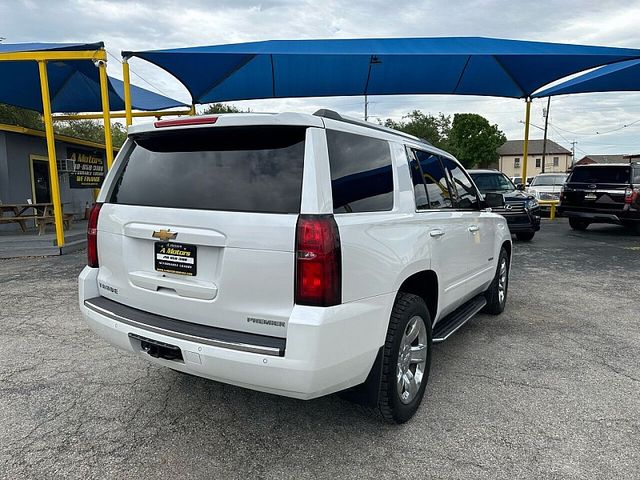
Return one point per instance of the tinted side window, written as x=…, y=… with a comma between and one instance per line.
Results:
x=435, y=180
x=419, y=189
x=465, y=195
x=248, y=169
x=361, y=173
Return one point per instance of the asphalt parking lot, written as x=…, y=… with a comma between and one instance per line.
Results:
x=549, y=389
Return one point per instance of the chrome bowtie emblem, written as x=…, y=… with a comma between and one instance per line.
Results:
x=165, y=235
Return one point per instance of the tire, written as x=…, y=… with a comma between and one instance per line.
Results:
x=401, y=393
x=525, y=236
x=578, y=224
x=496, y=294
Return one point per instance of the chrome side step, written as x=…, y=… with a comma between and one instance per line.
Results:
x=452, y=322
x=193, y=332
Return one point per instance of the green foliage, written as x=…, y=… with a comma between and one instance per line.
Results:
x=220, y=108
x=91, y=130
x=470, y=137
x=83, y=129
x=19, y=116
x=434, y=129
x=474, y=141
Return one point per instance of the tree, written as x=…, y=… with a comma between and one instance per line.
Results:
x=92, y=130
x=21, y=117
x=474, y=141
x=434, y=129
x=221, y=108
x=83, y=129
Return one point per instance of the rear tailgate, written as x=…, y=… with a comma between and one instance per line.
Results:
x=199, y=225
x=597, y=188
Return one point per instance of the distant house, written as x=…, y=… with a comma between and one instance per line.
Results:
x=558, y=158
x=615, y=158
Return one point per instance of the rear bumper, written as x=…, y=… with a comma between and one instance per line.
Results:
x=619, y=217
x=327, y=349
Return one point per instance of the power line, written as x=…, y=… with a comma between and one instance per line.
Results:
x=599, y=133
x=139, y=76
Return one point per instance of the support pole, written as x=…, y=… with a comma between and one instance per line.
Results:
x=127, y=92
x=544, y=142
x=525, y=153
x=51, y=151
x=192, y=112
x=104, y=92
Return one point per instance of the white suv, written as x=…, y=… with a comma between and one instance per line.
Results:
x=294, y=254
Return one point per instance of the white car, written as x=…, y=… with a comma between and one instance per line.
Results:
x=547, y=186
x=294, y=254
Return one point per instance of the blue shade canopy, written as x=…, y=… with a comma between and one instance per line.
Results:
x=316, y=68
x=74, y=86
x=619, y=77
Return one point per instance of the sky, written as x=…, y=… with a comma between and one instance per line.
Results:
x=600, y=123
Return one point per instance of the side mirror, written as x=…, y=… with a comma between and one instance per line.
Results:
x=494, y=200
x=520, y=187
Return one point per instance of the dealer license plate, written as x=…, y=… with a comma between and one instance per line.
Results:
x=178, y=258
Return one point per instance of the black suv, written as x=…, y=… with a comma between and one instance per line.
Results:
x=602, y=194
x=520, y=209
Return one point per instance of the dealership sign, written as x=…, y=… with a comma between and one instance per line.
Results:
x=88, y=168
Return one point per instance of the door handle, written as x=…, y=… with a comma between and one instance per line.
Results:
x=473, y=228
x=436, y=233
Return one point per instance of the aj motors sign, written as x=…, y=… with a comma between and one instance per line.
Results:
x=88, y=168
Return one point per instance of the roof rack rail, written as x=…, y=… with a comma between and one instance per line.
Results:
x=333, y=115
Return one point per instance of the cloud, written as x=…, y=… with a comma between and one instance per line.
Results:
x=140, y=25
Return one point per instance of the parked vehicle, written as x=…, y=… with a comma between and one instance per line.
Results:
x=607, y=193
x=521, y=209
x=518, y=181
x=294, y=254
x=547, y=186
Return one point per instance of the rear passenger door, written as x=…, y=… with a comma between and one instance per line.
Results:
x=448, y=234
x=479, y=226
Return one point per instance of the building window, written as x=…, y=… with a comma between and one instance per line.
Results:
x=516, y=162
x=556, y=161
x=538, y=163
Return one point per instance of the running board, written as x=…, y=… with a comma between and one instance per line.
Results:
x=452, y=322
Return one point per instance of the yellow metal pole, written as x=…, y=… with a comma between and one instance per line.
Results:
x=104, y=91
x=525, y=153
x=51, y=150
x=192, y=112
x=127, y=92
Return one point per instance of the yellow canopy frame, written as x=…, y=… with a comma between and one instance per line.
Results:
x=42, y=57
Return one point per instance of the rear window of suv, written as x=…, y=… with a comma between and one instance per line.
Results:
x=620, y=174
x=247, y=169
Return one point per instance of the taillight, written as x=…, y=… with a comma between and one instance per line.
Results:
x=561, y=196
x=318, y=261
x=630, y=195
x=92, y=236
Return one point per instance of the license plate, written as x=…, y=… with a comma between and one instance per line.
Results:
x=589, y=196
x=178, y=258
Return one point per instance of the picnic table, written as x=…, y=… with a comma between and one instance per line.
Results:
x=42, y=213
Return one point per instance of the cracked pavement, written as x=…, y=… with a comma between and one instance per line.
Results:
x=549, y=389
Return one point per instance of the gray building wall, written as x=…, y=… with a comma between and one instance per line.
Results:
x=15, y=174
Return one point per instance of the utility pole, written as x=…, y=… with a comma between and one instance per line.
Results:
x=545, y=114
x=573, y=152
x=366, y=108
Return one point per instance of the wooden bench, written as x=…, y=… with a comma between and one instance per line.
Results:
x=20, y=219
x=43, y=221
